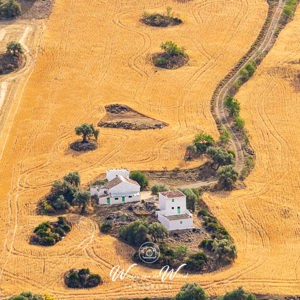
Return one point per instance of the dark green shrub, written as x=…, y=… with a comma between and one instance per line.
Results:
x=220, y=156
x=82, y=278
x=27, y=296
x=105, y=227
x=191, y=291
x=204, y=212
x=191, y=199
x=227, y=176
x=160, y=61
x=238, y=294
x=225, y=250
x=233, y=106
x=157, y=231
x=239, y=123
x=134, y=233
x=207, y=244
x=172, y=49
x=158, y=189
x=49, y=233
x=140, y=178
x=202, y=141
x=196, y=262
x=10, y=9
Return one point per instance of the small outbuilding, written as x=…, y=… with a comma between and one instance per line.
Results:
x=172, y=213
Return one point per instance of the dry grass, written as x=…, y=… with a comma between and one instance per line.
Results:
x=97, y=56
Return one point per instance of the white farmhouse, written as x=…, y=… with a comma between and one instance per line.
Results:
x=173, y=213
x=119, y=188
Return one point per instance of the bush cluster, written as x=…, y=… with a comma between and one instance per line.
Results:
x=288, y=11
x=220, y=156
x=233, y=107
x=172, y=57
x=105, y=227
x=31, y=296
x=202, y=141
x=196, y=262
x=49, y=233
x=220, y=243
x=139, y=232
x=227, y=176
x=192, y=198
x=82, y=278
x=140, y=178
x=158, y=189
x=64, y=194
x=10, y=9
x=171, y=256
x=161, y=20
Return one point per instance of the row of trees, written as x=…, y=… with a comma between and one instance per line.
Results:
x=192, y=291
x=220, y=243
x=222, y=159
x=233, y=107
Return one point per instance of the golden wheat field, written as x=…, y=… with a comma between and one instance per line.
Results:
x=95, y=53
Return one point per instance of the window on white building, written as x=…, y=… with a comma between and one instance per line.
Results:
x=130, y=196
x=116, y=198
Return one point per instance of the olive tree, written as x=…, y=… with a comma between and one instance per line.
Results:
x=227, y=176
x=87, y=131
x=191, y=291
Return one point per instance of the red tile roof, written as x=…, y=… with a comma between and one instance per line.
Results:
x=173, y=194
x=117, y=180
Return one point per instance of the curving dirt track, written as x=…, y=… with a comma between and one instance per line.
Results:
x=86, y=62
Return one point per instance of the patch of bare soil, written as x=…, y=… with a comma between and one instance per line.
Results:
x=159, y=20
x=36, y=9
x=10, y=63
x=182, y=176
x=122, y=116
x=80, y=146
x=166, y=61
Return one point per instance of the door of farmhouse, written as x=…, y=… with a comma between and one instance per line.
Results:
x=123, y=199
x=108, y=200
x=178, y=210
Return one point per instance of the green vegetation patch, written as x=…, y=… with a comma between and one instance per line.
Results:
x=49, y=233
x=173, y=56
x=64, y=194
x=82, y=278
x=161, y=20
x=9, y=9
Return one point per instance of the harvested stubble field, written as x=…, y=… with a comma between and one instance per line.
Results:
x=98, y=55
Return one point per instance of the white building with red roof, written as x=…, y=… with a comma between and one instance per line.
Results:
x=118, y=189
x=173, y=213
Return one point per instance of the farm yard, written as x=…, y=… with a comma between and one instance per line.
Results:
x=100, y=55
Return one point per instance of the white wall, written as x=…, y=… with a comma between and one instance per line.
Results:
x=181, y=224
x=124, y=188
x=111, y=174
x=175, y=224
x=130, y=198
x=169, y=206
